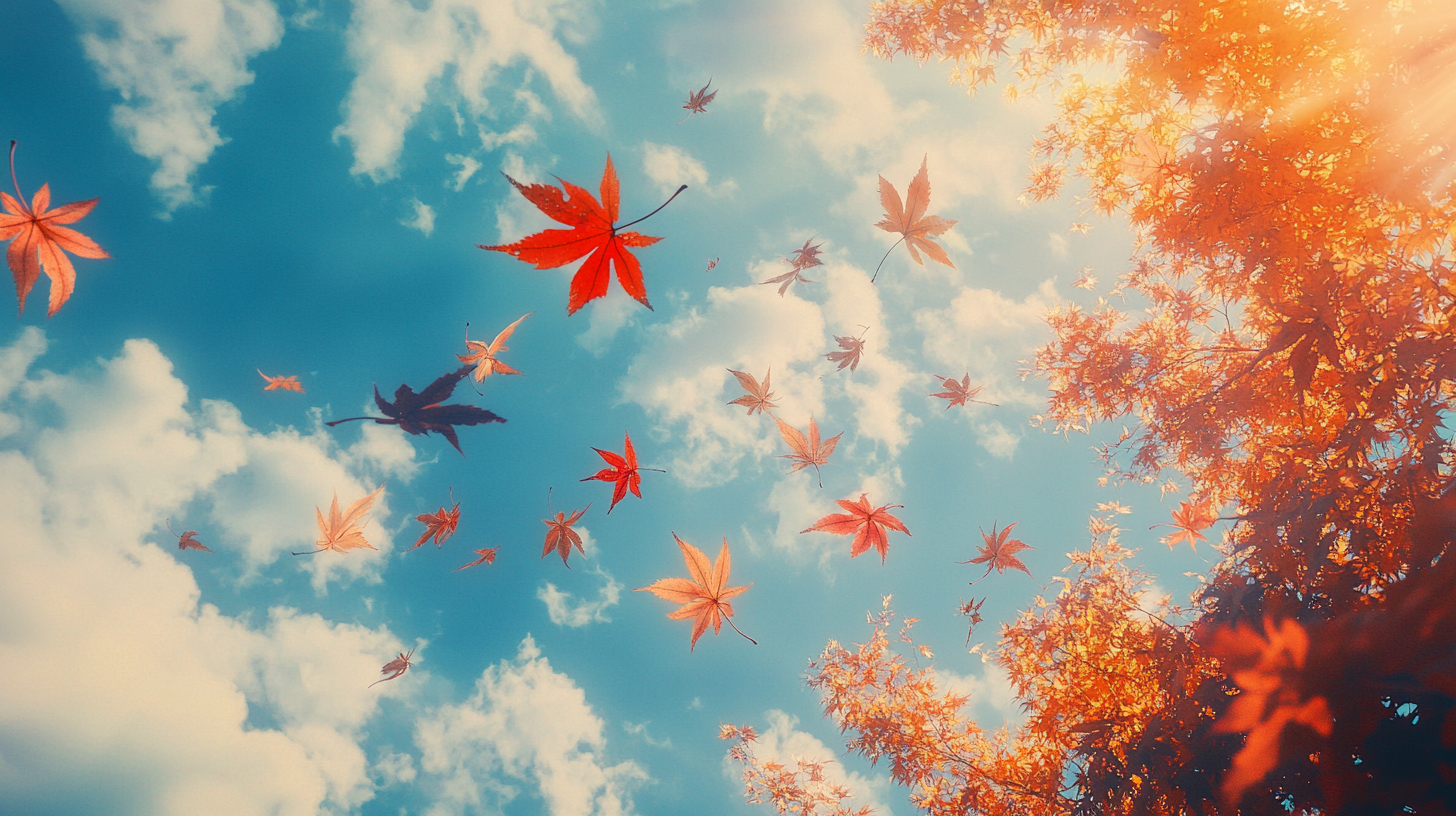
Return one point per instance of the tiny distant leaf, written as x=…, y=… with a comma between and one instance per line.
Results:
x=487, y=556
x=697, y=101
x=289, y=383
x=395, y=667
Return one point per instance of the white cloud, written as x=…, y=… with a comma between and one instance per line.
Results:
x=399, y=48
x=468, y=166
x=174, y=62
x=668, y=167
x=393, y=769
x=992, y=700
x=606, y=317
x=784, y=743
x=123, y=692
x=424, y=219
x=875, y=385
x=525, y=723
x=566, y=610
x=985, y=333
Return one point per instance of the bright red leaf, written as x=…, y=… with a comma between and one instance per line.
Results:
x=559, y=535
x=593, y=232
x=868, y=525
x=623, y=471
x=999, y=551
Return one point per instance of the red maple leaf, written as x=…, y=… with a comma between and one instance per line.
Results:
x=187, y=540
x=758, y=398
x=1189, y=519
x=440, y=524
x=592, y=231
x=559, y=535
x=487, y=556
x=958, y=392
x=395, y=667
x=851, y=349
x=41, y=243
x=868, y=525
x=697, y=101
x=808, y=451
x=623, y=471
x=1000, y=552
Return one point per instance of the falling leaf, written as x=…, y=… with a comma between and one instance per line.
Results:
x=705, y=595
x=758, y=396
x=623, y=470
x=41, y=243
x=482, y=356
x=1085, y=279
x=911, y=221
x=395, y=667
x=593, y=231
x=809, y=451
x=439, y=524
x=867, y=525
x=1189, y=519
x=342, y=531
x=971, y=609
x=421, y=413
x=187, y=540
x=487, y=556
x=787, y=278
x=712, y=263
x=1000, y=552
x=959, y=392
x=289, y=383
x=851, y=349
x=559, y=535
x=806, y=255
x=697, y=101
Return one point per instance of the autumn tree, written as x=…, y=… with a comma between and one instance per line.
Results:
x=1286, y=351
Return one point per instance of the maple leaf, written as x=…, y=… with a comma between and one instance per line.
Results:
x=41, y=243
x=487, y=556
x=959, y=392
x=593, y=231
x=421, y=413
x=911, y=221
x=623, y=471
x=758, y=396
x=1189, y=519
x=395, y=667
x=705, y=595
x=806, y=255
x=697, y=101
x=1000, y=552
x=971, y=609
x=289, y=383
x=712, y=263
x=342, y=531
x=187, y=540
x=867, y=525
x=787, y=278
x=440, y=524
x=851, y=349
x=559, y=535
x=482, y=356
x=809, y=451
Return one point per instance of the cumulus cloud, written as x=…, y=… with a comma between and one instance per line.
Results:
x=991, y=699
x=526, y=724
x=424, y=217
x=854, y=309
x=468, y=166
x=124, y=693
x=669, y=167
x=174, y=62
x=399, y=48
x=566, y=610
x=784, y=743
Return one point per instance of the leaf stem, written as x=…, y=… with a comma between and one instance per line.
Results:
x=739, y=631
x=654, y=470
x=311, y=552
x=654, y=212
x=351, y=419
x=882, y=260
x=13, y=180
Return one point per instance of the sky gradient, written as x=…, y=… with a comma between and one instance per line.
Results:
x=299, y=187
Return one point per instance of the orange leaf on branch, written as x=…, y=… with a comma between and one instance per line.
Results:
x=1189, y=519
x=704, y=596
x=593, y=233
x=39, y=242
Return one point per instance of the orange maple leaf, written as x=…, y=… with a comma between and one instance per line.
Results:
x=487, y=556
x=1189, y=519
x=867, y=525
x=999, y=551
x=440, y=524
x=705, y=595
x=958, y=392
x=341, y=531
x=758, y=396
x=593, y=231
x=851, y=350
x=623, y=471
x=559, y=535
x=288, y=383
x=809, y=451
x=187, y=540
x=395, y=667
x=1266, y=669
x=41, y=243
x=697, y=101
x=911, y=221
x=483, y=355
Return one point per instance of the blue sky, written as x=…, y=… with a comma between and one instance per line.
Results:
x=299, y=187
